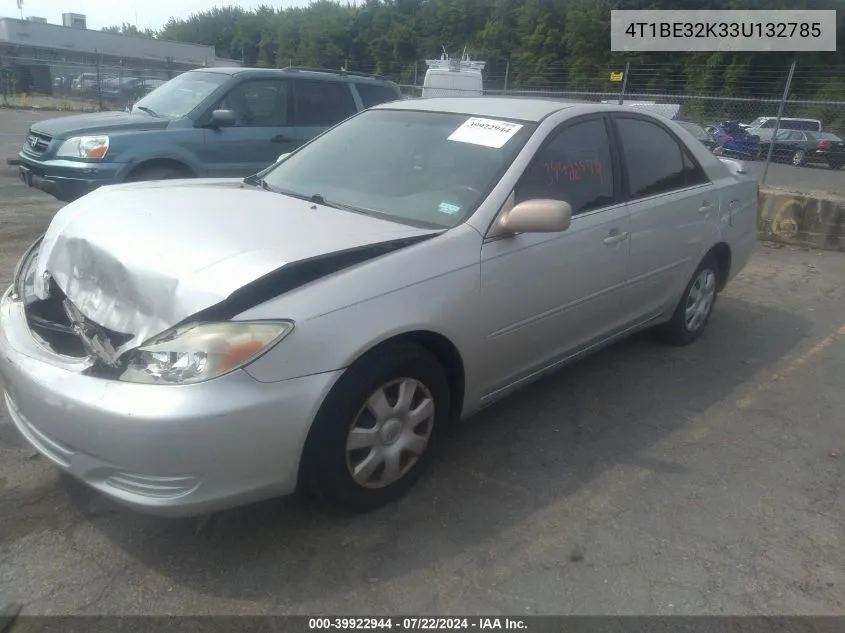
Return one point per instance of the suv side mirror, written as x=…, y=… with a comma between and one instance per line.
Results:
x=222, y=118
x=537, y=216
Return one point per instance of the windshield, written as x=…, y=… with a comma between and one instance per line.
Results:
x=179, y=96
x=758, y=122
x=428, y=169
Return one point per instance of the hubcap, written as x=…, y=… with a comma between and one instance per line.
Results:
x=700, y=299
x=390, y=433
x=798, y=158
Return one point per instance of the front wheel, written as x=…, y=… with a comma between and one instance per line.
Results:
x=798, y=157
x=695, y=307
x=374, y=434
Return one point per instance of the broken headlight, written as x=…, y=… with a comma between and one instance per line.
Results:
x=24, y=278
x=201, y=351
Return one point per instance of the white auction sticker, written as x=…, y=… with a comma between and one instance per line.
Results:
x=487, y=132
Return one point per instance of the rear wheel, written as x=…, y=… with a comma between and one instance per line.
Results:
x=374, y=434
x=836, y=164
x=695, y=307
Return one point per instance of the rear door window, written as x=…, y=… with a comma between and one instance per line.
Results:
x=374, y=94
x=323, y=103
x=656, y=161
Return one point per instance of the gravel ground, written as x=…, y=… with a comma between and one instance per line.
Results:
x=642, y=480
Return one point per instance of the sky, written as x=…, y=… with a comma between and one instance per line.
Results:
x=152, y=14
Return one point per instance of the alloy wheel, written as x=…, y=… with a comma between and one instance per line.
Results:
x=700, y=300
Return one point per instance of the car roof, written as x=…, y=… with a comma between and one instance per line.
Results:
x=320, y=73
x=529, y=109
x=788, y=118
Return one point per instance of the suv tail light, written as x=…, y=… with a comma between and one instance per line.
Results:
x=728, y=139
x=824, y=145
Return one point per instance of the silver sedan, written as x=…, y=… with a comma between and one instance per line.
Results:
x=188, y=346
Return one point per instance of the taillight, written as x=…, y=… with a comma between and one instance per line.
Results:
x=728, y=139
x=824, y=145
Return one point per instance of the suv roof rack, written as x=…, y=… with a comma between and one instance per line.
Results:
x=351, y=73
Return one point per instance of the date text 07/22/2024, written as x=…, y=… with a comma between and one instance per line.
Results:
x=416, y=624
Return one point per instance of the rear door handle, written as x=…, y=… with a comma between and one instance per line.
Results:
x=615, y=238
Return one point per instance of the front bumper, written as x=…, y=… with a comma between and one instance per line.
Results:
x=67, y=180
x=168, y=450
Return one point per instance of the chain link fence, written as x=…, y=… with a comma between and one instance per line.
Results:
x=708, y=95
x=95, y=84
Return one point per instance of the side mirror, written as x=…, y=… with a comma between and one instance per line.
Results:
x=537, y=216
x=222, y=118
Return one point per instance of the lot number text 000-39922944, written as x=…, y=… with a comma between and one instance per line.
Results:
x=675, y=31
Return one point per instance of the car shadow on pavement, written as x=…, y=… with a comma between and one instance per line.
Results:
x=538, y=449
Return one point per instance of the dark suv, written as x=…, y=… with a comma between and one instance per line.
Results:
x=215, y=122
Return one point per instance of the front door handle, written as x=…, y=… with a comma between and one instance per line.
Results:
x=615, y=238
x=281, y=138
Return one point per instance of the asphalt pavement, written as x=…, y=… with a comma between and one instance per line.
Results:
x=642, y=480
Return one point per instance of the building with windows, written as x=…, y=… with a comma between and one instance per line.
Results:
x=45, y=58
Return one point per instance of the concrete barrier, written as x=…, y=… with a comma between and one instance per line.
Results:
x=813, y=219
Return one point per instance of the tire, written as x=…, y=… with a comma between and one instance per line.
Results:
x=798, y=157
x=328, y=463
x=679, y=330
x=157, y=172
x=835, y=164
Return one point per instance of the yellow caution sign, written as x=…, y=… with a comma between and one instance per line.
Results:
x=617, y=76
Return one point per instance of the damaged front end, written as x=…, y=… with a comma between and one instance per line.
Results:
x=185, y=354
x=56, y=323
x=201, y=346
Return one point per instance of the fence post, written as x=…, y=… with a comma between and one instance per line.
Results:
x=624, y=82
x=777, y=120
x=416, y=70
x=507, y=75
x=99, y=80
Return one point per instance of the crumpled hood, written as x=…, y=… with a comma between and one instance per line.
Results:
x=139, y=259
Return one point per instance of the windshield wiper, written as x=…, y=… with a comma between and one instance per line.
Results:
x=149, y=111
x=256, y=181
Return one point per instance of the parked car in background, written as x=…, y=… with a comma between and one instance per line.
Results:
x=212, y=122
x=734, y=140
x=188, y=346
x=122, y=88
x=667, y=110
x=802, y=148
x=763, y=127
x=700, y=133
x=85, y=84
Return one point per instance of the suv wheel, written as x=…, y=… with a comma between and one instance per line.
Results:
x=157, y=172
